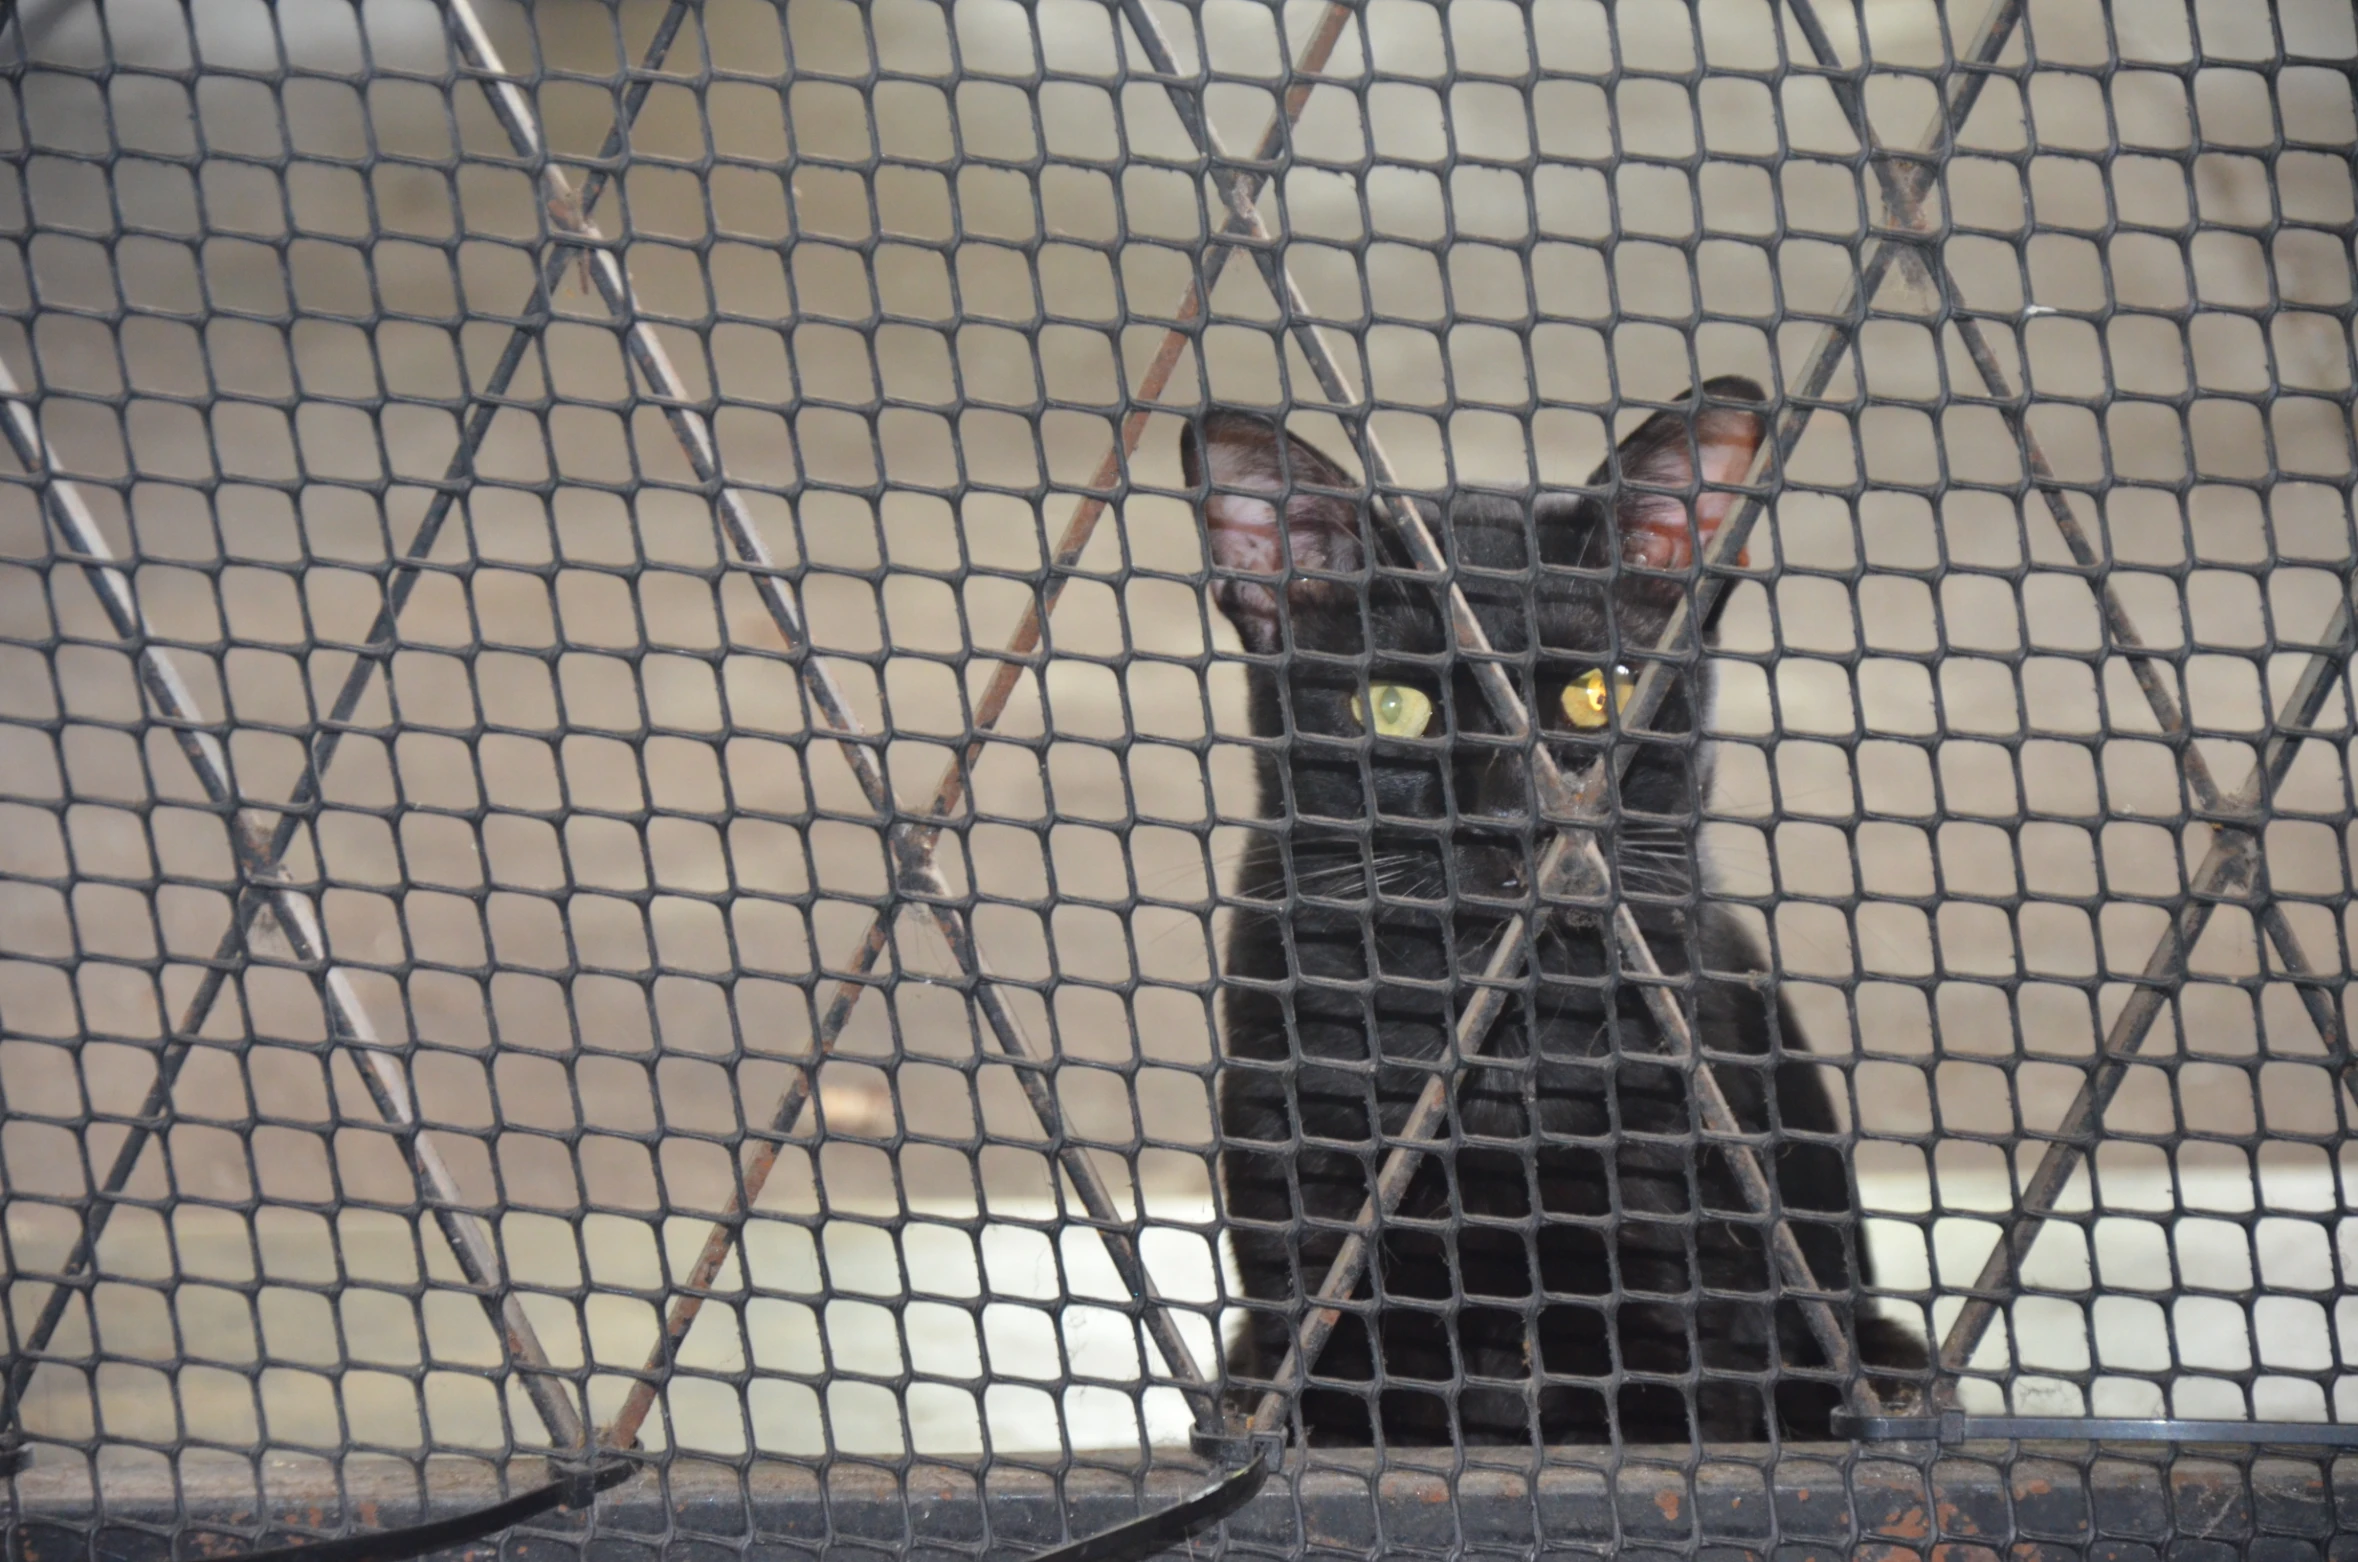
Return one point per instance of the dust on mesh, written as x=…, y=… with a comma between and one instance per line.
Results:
x=580, y=852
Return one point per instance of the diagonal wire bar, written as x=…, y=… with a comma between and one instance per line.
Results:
x=268, y=854
x=924, y=833
x=566, y=206
x=1715, y=568
x=2307, y=980
x=2144, y=664
x=2229, y=868
x=919, y=879
x=2225, y=875
x=1316, y=51
x=1573, y=863
x=81, y=542
x=920, y=838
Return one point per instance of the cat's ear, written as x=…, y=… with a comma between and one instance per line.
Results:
x=1255, y=472
x=1670, y=451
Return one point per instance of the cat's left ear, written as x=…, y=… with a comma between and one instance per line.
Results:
x=1669, y=451
x=1263, y=512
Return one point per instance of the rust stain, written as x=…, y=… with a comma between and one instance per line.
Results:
x=1801, y=1495
x=1956, y=1521
x=1911, y=1525
x=2038, y=1488
x=1667, y=1501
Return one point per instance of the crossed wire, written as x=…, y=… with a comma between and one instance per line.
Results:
x=260, y=851
x=259, y=858
x=1572, y=868
x=2233, y=861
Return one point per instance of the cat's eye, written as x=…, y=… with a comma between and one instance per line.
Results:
x=1401, y=710
x=1585, y=698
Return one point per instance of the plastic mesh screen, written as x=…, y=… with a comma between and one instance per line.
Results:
x=601, y=632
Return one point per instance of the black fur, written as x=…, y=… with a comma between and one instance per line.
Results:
x=1573, y=1164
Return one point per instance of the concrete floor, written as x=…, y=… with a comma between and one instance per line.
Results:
x=276, y=1342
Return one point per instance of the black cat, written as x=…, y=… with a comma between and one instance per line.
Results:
x=1572, y=1267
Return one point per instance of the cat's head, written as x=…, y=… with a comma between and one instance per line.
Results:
x=1289, y=537
x=1585, y=583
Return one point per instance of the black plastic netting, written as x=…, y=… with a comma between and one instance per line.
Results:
x=625, y=815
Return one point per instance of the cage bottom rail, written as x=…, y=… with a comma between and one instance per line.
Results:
x=1954, y=1426
x=2053, y=1500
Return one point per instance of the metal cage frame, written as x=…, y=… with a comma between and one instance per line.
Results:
x=1979, y=1496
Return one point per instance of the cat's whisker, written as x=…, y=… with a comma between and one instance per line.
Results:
x=1150, y=884
x=1302, y=879
x=1655, y=887
x=1351, y=879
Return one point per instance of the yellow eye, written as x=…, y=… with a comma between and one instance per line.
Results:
x=1585, y=698
x=1400, y=710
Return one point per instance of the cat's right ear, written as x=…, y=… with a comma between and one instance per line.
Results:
x=1705, y=457
x=1255, y=473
